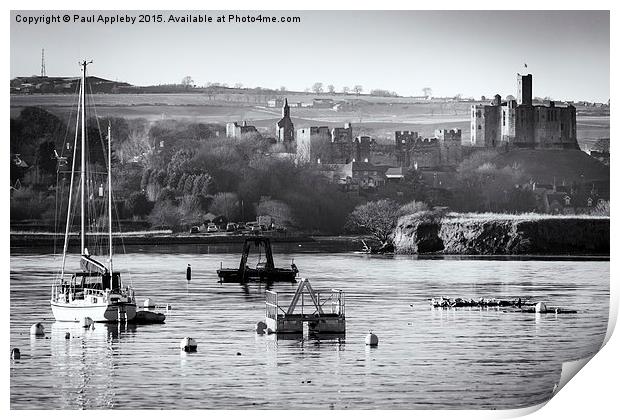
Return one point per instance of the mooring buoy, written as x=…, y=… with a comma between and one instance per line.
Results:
x=37, y=330
x=188, y=345
x=67, y=335
x=15, y=354
x=261, y=326
x=541, y=307
x=372, y=340
x=86, y=322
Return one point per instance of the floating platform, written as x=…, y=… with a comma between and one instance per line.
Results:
x=263, y=271
x=323, y=312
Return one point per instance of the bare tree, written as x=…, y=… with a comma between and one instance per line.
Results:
x=238, y=85
x=282, y=88
x=317, y=87
x=377, y=218
x=428, y=92
x=346, y=89
x=331, y=89
x=358, y=89
x=187, y=81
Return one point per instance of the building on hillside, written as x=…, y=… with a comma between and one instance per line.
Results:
x=361, y=149
x=442, y=151
x=367, y=175
x=395, y=174
x=236, y=130
x=316, y=145
x=519, y=123
x=342, y=134
x=285, y=130
x=310, y=142
x=450, y=150
x=322, y=103
x=275, y=103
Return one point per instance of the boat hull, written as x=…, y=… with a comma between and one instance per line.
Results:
x=75, y=312
x=233, y=275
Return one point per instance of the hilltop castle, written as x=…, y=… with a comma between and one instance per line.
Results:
x=519, y=123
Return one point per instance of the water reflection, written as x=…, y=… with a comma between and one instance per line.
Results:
x=127, y=367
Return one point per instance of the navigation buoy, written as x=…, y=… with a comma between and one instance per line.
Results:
x=261, y=327
x=372, y=340
x=37, y=330
x=67, y=335
x=86, y=322
x=541, y=307
x=189, y=345
x=15, y=354
x=148, y=303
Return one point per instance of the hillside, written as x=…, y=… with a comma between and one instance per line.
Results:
x=567, y=166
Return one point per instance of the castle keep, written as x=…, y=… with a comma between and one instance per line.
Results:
x=519, y=123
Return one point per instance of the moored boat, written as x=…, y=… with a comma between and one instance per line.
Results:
x=96, y=291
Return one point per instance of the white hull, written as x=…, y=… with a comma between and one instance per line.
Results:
x=103, y=312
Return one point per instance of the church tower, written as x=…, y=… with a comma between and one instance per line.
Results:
x=285, y=130
x=286, y=110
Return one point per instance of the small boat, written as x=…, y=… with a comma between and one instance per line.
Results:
x=96, y=291
x=264, y=271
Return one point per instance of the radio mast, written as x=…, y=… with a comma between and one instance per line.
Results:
x=43, y=74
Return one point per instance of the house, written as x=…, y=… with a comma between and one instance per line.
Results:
x=236, y=130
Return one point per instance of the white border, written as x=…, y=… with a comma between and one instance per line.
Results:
x=592, y=394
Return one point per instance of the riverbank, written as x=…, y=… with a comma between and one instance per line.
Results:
x=47, y=239
x=502, y=234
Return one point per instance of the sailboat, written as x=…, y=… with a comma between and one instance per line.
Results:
x=96, y=291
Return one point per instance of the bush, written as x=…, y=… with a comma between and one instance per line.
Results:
x=165, y=213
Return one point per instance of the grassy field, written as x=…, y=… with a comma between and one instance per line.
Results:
x=375, y=116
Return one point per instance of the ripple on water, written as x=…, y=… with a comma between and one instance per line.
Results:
x=426, y=358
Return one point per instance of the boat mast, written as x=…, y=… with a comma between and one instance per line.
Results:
x=83, y=159
x=110, y=193
x=66, y=243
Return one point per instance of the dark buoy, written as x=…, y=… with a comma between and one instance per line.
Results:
x=67, y=335
x=261, y=327
x=372, y=340
x=15, y=354
x=188, y=273
x=189, y=345
x=37, y=330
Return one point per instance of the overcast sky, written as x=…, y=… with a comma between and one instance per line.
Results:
x=468, y=52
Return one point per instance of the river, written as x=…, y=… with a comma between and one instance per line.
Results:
x=426, y=358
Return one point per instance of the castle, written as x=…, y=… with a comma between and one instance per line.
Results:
x=444, y=150
x=319, y=145
x=519, y=123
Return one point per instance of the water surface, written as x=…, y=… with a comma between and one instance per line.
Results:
x=426, y=358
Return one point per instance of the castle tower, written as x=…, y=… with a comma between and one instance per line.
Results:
x=524, y=89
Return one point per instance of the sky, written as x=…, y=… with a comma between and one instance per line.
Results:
x=472, y=53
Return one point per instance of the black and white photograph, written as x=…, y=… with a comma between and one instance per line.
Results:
x=306, y=209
